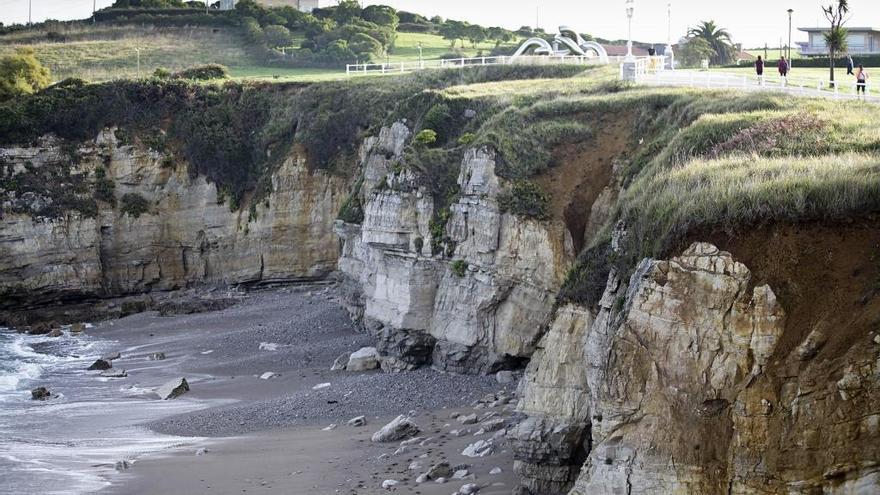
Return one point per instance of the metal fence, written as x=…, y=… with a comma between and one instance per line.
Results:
x=417, y=65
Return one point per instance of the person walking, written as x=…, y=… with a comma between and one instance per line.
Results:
x=759, y=69
x=783, y=68
x=850, y=65
x=861, y=81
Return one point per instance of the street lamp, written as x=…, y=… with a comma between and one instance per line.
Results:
x=670, y=55
x=790, y=11
x=421, y=66
x=630, y=8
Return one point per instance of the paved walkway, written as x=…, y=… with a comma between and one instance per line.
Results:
x=721, y=80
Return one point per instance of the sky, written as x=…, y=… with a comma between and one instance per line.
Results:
x=751, y=22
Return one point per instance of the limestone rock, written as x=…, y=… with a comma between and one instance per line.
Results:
x=357, y=421
x=173, y=389
x=364, y=359
x=340, y=362
x=480, y=448
x=399, y=428
x=439, y=470
x=469, y=489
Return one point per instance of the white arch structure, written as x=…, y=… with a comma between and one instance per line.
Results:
x=573, y=44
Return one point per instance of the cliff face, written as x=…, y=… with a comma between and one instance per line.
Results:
x=679, y=385
x=474, y=302
x=184, y=234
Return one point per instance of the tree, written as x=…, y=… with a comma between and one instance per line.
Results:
x=453, y=31
x=277, y=36
x=695, y=50
x=475, y=34
x=346, y=11
x=21, y=73
x=718, y=38
x=382, y=15
x=365, y=46
x=499, y=35
x=836, y=37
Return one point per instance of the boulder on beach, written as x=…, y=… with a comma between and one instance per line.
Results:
x=439, y=470
x=364, y=359
x=340, y=362
x=469, y=489
x=399, y=428
x=173, y=389
x=40, y=393
x=100, y=364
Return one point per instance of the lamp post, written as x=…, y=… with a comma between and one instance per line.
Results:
x=670, y=55
x=630, y=9
x=421, y=65
x=790, y=11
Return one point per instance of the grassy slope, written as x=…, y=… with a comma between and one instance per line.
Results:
x=106, y=52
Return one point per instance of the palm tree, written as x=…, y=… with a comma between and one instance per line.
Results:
x=835, y=38
x=717, y=37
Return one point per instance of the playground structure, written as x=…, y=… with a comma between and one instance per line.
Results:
x=567, y=43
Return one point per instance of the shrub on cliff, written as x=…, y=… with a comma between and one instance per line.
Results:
x=134, y=205
x=206, y=72
x=524, y=198
x=21, y=73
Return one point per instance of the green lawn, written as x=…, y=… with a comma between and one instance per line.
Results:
x=433, y=46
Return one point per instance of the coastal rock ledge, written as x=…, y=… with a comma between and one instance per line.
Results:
x=678, y=384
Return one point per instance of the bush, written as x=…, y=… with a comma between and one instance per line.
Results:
x=467, y=138
x=134, y=205
x=524, y=198
x=439, y=118
x=21, y=73
x=203, y=73
x=459, y=268
x=277, y=36
x=162, y=73
x=104, y=187
x=426, y=137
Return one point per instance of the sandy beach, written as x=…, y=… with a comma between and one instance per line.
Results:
x=247, y=434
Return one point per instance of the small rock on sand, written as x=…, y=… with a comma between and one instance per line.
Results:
x=40, y=393
x=268, y=375
x=340, y=362
x=399, y=428
x=495, y=470
x=100, y=364
x=389, y=484
x=460, y=474
x=468, y=419
x=320, y=386
x=480, y=448
x=469, y=489
x=201, y=451
x=364, y=359
x=440, y=470
x=358, y=421
x=505, y=377
x=332, y=426
x=173, y=389
x=268, y=346
x=156, y=356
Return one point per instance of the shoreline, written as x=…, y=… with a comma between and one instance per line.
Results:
x=250, y=425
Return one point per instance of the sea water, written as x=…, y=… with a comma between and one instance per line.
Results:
x=89, y=429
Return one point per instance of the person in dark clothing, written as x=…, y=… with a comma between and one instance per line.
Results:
x=861, y=81
x=759, y=66
x=783, y=67
x=849, y=65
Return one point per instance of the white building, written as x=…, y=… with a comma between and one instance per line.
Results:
x=861, y=41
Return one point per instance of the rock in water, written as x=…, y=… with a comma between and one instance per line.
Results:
x=358, y=421
x=100, y=365
x=173, y=389
x=366, y=358
x=481, y=448
x=114, y=374
x=340, y=362
x=112, y=356
x=156, y=356
x=40, y=393
x=399, y=428
x=268, y=375
x=56, y=332
x=78, y=328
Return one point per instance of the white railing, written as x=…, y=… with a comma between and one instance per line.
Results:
x=645, y=66
x=416, y=65
x=722, y=80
